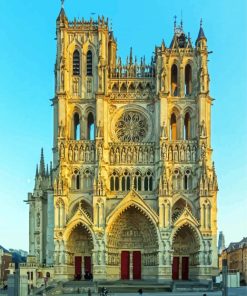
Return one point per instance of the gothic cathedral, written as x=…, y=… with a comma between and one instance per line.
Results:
x=132, y=192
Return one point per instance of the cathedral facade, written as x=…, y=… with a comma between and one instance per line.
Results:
x=132, y=192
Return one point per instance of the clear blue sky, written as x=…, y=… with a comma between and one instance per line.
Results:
x=27, y=56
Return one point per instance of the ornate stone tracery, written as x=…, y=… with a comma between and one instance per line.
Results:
x=132, y=126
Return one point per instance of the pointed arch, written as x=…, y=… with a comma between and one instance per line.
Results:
x=188, y=80
x=76, y=63
x=89, y=63
x=90, y=126
x=174, y=80
x=187, y=126
x=132, y=199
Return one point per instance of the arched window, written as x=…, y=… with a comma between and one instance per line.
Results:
x=89, y=63
x=185, y=182
x=148, y=181
x=125, y=181
x=173, y=129
x=77, y=127
x=187, y=127
x=76, y=180
x=138, y=181
x=188, y=80
x=174, y=81
x=114, y=182
x=90, y=126
x=76, y=63
x=87, y=180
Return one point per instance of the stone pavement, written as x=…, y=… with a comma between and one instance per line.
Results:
x=242, y=291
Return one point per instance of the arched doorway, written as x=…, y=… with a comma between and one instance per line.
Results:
x=186, y=247
x=79, y=248
x=132, y=246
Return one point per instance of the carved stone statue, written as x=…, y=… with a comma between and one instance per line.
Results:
x=70, y=154
x=203, y=129
x=164, y=130
x=100, y=130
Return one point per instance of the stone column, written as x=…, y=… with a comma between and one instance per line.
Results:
x=131, y=265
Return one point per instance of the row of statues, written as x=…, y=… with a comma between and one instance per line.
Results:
x=85, y=153
x=179, y=152
x=132, y=155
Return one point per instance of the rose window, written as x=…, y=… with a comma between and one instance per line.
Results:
x=131, y=127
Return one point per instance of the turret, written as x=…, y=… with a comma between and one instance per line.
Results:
x=201, y=41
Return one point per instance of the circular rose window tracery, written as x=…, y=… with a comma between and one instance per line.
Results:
x=132, y=126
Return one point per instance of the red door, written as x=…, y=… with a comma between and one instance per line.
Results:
x=137, y=265
x=185, y=268
x=87, y=264
x=125, y=265
x=78, y=266
x=175, y=268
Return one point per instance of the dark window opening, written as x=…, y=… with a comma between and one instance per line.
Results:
x=173, y=131
x=174, y=81
x=89, y=63
x=76, y=63
x=90, y=127
x=188, y=80
x=77, y=127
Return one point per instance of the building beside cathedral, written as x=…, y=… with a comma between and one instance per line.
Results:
x=133, y=189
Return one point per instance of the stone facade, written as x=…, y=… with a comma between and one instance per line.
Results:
x=132, y=192
x=236, y=255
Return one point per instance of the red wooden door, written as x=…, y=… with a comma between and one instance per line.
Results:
x=125, y=265
x=185, y=268
x=137, y=265
x=175, y=268
x=87, y=264
x=78, y=261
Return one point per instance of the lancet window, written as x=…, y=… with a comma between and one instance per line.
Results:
x=76, y=63
x=188, y=80
x=114, y=182
x=187, y=126
x=174, y=81
x=173, y=127
x=89, y=63
x=76, y=127
x=90, y=127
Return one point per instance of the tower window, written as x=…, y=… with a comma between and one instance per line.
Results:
x=173, y=129
x=89, y=63
x=174, y=81
x=76, y=63
x=188, y=80
x=90, y=127
x=77, y=127
x=187, y=127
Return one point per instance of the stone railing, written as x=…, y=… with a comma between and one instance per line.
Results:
x=132, y=71
x=131, y=153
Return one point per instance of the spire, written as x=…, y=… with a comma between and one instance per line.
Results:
x=47, y=171
x=175, y=22
x=42, y=164
x=131, y=56
x=201, y=34
x=62, y=18
x=37, y=171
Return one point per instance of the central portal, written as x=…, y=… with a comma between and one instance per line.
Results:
x=132, y=246
x=134, y=269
